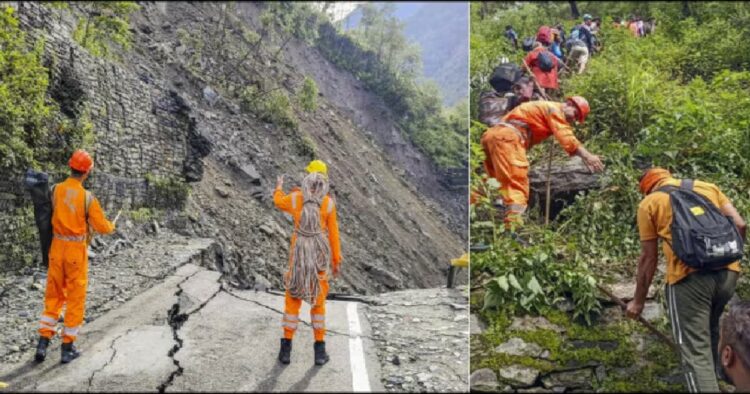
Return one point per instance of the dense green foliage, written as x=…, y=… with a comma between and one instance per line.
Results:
x=308, y=95
x=272, y=106
x=23, y=106
x=679, y=98
x=104, y=26
x=379, y=56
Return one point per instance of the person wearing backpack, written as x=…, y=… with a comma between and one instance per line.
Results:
x=543, y=63
x=578, y=52
x=494, y=105
x=74, y=211
x=511, y=35
x=703, y=239
x=315, y=252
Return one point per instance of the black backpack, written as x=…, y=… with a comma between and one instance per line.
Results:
x=702, y=237
x=544, y=61
x=37, y=184
x=528, y=43
x=504, y=76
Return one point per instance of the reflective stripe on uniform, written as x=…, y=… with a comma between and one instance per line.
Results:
x=290, y=317
x=294, y=200
x=318, y=321
x=71, y=331
x=329, y=207
x=517, y=208
x=290, y=321
x=71, y=238
x=48, y=320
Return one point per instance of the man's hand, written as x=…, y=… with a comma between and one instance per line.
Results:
x=336, y=271
x=593, y=162
x=279, y=181
x=634, y=309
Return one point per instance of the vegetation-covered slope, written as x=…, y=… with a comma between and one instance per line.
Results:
x=678, y=98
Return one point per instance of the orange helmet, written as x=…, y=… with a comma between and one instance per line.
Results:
x=651, y=177
x=81, y=161
x=582, y=105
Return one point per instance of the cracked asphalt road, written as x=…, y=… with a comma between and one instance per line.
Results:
x=189, y=333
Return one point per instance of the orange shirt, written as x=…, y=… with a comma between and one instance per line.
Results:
x=69, y=213
x=655, y=219
x=547, y=80
x=292, y=203
x=545, y=118
x=633, y=28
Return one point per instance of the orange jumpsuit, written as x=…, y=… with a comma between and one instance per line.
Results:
x=292, y=203
x=505, y=147
x=67, y=274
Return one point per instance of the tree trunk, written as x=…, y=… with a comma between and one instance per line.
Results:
x=574, y=9
x=686, y=9
x=483, y=10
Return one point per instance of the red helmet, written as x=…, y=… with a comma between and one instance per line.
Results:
x=544, y=35
x=582, y=105
x=81, y=161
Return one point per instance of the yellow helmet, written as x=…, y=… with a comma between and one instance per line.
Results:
x=317, y=166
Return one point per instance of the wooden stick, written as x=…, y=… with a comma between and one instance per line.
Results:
x=643, y=321
x=549, y=162
x=547, y=202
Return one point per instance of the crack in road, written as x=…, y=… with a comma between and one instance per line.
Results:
x=332, y=332
x=176, y=320
x=112, y=357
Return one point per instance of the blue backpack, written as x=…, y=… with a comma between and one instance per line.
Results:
x=544, y=61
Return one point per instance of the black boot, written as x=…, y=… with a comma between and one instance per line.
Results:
x=69, y=353
x=285, y=353
x=41, y=349
x=321, y=357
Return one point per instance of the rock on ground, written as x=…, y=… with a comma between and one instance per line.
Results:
x=422, y=338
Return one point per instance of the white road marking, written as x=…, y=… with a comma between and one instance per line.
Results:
x=360, y=379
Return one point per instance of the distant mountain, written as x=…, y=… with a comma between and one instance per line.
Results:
x=442, y=32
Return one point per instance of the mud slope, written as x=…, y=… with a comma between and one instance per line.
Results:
x=160, y=112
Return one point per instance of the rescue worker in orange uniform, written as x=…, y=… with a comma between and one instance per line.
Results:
x=529, y=124
x=74, y=209
x=317, y=227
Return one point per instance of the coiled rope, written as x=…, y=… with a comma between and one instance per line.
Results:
x=311, y=255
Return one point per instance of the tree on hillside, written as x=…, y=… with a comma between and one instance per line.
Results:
x=105, y=24
x=381, y=32
x=574, y=9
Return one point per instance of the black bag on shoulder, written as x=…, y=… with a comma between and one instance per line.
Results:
x=702, y=237
x=37, y=184
x=504, y=76
x=528, y=43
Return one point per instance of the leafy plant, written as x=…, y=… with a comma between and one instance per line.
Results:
x=105, y=26
x=309, y=95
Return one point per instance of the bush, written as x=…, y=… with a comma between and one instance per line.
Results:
x=272, y=107
x=309, y=95
x=170, y=193
x=105, y=26
x=24, y=112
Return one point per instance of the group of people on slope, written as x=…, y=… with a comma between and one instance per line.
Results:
x=698, y=289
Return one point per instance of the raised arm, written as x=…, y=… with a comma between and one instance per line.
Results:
x=97, y=220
